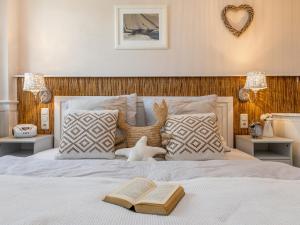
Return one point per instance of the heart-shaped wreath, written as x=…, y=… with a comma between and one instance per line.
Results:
x=233, y=30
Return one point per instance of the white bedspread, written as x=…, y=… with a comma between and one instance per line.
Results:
x=162, y=170
x=44, y=165
x=208, y=201
x=39, y=190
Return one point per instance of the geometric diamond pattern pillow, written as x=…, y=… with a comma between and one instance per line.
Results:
x=193, y=137
x=89, y=134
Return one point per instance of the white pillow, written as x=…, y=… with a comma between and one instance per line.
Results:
x=89, y=134
x=124, y=103
x=181, y=105
x=131, y=108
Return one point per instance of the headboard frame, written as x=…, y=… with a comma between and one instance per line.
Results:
x=224, y=113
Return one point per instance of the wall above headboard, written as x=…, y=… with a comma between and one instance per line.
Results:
x=281, y=96
x=77, y=37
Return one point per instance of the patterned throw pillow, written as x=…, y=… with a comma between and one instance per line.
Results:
x=124, y=103
x=193, y=137
x=89, y=134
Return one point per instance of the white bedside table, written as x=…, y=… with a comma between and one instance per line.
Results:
x=275, y=149
x=25, y=146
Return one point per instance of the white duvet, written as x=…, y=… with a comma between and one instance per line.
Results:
x=42, y=165
x=208, y=201
x=38, y=190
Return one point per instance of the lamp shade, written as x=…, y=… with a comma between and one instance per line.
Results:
x=34, y=83
x=256, y=81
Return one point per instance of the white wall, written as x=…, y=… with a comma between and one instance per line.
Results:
x=13, y=45
x=8, y=64
x=76, y=37
x=4, y=79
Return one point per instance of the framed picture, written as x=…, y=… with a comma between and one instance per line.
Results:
x=141, y=27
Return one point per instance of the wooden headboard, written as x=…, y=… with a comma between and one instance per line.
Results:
x=224, y=113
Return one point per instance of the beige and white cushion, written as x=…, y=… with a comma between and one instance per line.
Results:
x=125, y=103
x=193, y=137
x=89, y=134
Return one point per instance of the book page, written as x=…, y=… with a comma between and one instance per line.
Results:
x=134, y=190
x=159, y=195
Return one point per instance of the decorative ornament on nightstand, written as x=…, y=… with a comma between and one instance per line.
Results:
x=256, y=130
x=24, y=131
x=268, y=129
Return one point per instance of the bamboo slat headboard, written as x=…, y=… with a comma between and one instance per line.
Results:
x=282, y=95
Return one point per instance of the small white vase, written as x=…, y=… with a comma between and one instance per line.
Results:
x=268, y=129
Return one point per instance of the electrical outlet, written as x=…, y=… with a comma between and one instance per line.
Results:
x=45, y=119
x=244, y=121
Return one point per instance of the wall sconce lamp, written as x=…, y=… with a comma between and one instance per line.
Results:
x=256, y=81
x=35, y=83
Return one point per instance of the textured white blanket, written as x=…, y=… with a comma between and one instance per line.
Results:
x=162, y=171
x=208, y=201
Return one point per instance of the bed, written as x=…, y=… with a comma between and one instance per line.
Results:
x=238, y=190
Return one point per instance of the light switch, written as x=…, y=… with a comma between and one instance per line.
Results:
x=45, y=118
x=244, y=121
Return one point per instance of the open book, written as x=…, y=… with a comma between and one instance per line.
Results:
x=144, y=196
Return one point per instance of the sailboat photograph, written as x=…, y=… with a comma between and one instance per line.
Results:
x=141, y=27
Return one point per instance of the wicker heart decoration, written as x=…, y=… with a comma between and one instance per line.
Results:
x=233, y=30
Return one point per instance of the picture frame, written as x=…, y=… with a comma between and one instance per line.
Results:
x=141, y=27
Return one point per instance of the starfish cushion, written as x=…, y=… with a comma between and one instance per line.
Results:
x=141, y=152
